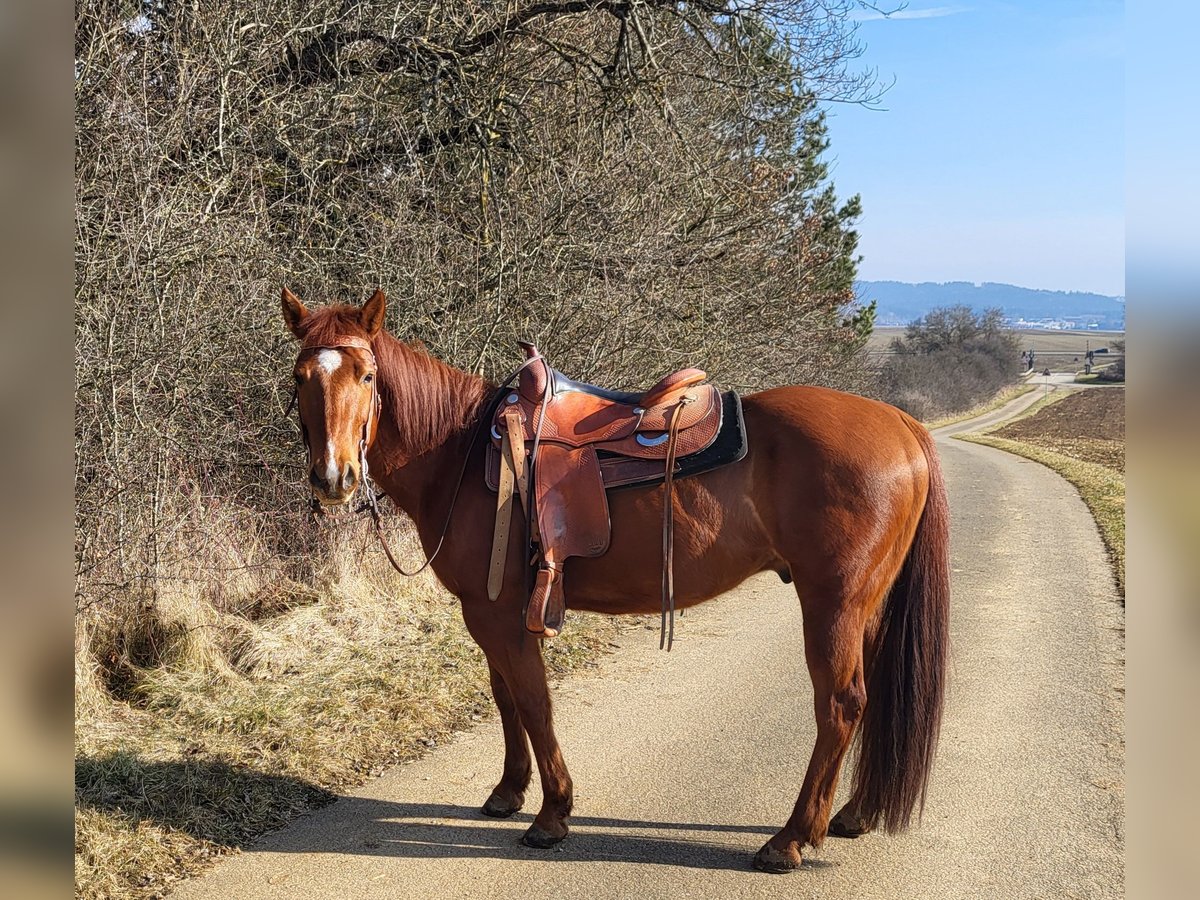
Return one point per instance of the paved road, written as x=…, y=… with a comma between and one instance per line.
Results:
x=685, y=763
x=1044, y=386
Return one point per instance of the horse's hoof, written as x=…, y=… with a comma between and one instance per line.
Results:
x=777, y=862
x=499, y=808
x=541, y=839
x=847, y=825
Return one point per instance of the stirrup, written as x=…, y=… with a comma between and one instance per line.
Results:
x=547, y=608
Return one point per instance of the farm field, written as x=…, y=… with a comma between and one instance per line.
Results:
x=1089, y=426
x=1041, y=341
x=1056, y=350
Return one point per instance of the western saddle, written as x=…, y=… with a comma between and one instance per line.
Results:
x=560, y=445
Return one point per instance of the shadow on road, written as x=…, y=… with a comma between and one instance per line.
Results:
x=231, y=805
x=443, y=831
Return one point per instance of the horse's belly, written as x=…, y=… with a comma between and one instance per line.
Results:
x=718, y=544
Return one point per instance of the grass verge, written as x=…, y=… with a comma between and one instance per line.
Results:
x=183, y=761
x=1005, y=396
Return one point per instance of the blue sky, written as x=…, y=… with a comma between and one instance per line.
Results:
x=999, y=152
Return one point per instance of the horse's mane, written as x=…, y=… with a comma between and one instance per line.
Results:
x=428, y=400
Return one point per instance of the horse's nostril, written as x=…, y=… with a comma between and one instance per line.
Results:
x=349, y=477
x=313, y=478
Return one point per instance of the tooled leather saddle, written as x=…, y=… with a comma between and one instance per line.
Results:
x=560, y=445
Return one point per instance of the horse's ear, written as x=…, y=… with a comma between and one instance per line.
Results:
x=371, y=314
x=294, y=312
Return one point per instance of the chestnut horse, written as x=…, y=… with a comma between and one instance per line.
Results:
x=839, y=494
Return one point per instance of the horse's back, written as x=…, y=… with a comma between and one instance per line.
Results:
x=834, y=434
x=837, y=476
x=831, y=418
x=825, y=474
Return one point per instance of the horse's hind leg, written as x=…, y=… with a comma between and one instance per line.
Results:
x=833, y=646
x=509, y=795
x=849, y=822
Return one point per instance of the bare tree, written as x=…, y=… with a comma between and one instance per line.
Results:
x=636, y=184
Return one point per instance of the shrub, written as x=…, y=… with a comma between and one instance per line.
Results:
x=949, y=360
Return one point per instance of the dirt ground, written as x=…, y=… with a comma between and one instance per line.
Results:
x=1089, y=425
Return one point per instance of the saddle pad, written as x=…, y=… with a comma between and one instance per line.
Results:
x=572, y=508
x=728, y=447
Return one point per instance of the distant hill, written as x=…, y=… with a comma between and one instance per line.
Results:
x=899, y=303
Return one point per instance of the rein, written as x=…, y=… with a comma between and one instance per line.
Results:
x=371, y=502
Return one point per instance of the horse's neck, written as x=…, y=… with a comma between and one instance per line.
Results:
x=420, y=477
x=423, y=486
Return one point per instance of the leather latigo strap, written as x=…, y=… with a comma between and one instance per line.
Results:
x=667, y=630
x=504, y=505
x=513, y=481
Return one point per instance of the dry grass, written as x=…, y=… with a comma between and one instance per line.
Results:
x=247, y=722
x=1080, y=435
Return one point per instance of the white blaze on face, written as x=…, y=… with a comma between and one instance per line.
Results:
x=331, y=467
x=329, y=360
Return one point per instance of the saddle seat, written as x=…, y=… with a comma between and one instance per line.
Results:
x=633, y=424
x=564, y=442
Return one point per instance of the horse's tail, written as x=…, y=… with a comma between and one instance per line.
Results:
x=906, y=677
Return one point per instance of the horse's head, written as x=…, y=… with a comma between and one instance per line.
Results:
x=335, y=390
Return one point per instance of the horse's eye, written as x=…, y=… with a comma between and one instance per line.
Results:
x=368, y=378
x=299, y=379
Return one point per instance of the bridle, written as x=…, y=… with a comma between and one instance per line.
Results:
x=367, y=437
x=366, y=440
x=371, y=495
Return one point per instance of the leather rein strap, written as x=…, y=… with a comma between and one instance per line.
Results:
x=367, y=440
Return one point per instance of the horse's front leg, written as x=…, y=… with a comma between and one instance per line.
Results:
x=509, y=795
x=525, y=676
x=523, y=697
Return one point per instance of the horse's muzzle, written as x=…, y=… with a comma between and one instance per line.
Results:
x=335, y=490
